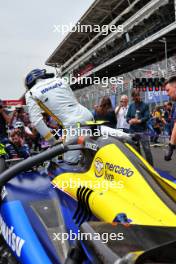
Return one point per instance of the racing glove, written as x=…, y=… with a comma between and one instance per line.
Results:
x=169, y=153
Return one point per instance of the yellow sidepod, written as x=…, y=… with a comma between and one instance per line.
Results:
x=118, y=187
x=167, y=185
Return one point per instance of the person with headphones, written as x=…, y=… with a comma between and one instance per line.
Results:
x=170, y=87
x=55, y=97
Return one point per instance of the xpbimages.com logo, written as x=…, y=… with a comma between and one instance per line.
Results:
x=104, y=237
x=81, y=28
x=103, y=185
x=105, y=132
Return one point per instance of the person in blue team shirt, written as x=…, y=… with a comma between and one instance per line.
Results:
x=137, y=116
x=170, y=87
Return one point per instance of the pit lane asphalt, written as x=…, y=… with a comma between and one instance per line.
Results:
x=160, y=163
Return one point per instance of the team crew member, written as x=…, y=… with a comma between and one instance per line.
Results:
x=170, y=86
x=54, y=96
x=137, y=117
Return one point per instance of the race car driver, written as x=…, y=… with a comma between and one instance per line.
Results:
x=170, y=87
x=54, y=96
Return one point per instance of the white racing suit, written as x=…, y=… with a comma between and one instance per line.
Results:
x=57, y=96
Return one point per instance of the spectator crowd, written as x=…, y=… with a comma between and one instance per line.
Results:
x=135, y=118
x=20, y=138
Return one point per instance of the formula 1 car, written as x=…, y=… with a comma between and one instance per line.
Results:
x=111, y=208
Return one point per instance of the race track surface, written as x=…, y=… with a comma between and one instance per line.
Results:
x=160, y=163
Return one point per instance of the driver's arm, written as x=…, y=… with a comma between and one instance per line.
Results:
x=36, y=118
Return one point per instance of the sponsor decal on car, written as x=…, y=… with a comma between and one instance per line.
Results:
x=3, y=193
x=119, y=169
x=99, y=167
x=15, y=242
x=92, y=146
x=109, y=169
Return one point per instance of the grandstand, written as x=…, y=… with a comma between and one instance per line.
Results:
x=147, y=27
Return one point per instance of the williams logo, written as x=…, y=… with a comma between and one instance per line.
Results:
x=99, y=167
x=15, y=242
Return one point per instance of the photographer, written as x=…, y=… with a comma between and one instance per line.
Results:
x=25, y=131
x=4, y=121
x=19, y=115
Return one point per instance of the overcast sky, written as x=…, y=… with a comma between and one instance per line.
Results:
x=27, y=37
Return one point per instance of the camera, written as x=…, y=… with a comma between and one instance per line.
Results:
x=18, y=109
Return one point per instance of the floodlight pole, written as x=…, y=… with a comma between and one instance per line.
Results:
x=166, y=57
